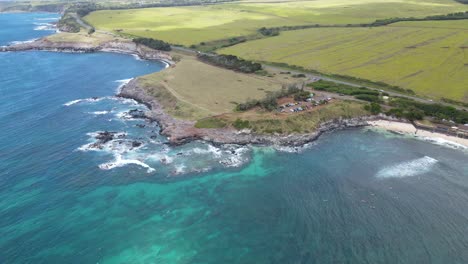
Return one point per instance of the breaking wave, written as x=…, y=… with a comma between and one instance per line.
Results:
x=44, y=26
x=120, y=162
x=99, y=112
x=408, y=168
x=23, y=42
x=122, y=83
x=47, y=18
x=444, y=142
x=98, y=99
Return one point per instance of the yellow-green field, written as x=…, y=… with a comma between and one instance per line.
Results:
x=192, y=25
x=199, y=90
x=429, y=57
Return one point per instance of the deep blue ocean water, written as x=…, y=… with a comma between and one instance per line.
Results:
x=355, y=196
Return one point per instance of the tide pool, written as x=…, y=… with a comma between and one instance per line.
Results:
x=354, y=196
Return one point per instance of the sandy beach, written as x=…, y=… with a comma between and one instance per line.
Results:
x=408, y=128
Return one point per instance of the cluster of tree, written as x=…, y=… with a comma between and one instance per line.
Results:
x=270, y=102
x=412, y=110
x=301, y=95
x=67, y=23
x=269, y=31
x=83, y=8
x=374, y=108
x=218, y=44
x=360, y=93
x=153, y=43
x=231, y=62
x=241, y=124
x=452, y=16
x=463, y=1
x=342, y=88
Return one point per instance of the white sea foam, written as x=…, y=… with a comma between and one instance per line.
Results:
x=408, y=168
x=82, y=100
x=137, y=57
x=443, y=142
x=47, y=18
x=161, y=157
x=44, y=26
x=114, y=146
x=23, y=42
x=122, y=83
x=166, y=64
x=98, y=99
x=121, y=162
x=99, y=112
x=179, y=169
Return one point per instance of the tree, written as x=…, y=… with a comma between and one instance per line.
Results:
x=374, y=108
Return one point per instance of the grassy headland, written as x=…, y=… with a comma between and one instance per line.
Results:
x=193, y=89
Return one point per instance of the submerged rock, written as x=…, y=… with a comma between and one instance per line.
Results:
x=136, y=144
x=105, y=136
x=135, y=113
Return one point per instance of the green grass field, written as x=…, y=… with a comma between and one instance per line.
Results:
x=429, y=57
x=192, y=25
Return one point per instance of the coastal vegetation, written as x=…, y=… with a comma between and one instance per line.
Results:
x=264, y=122
x=67, y=23
x=412, y=110
x=269, y=102
x=231, y=62
x=396, y=106
x=153, y=43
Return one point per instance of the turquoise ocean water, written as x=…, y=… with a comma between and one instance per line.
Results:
x=355, y=196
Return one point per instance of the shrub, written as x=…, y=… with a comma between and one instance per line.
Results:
x=153, y=43
x=374, y=108
x=231, y=62
x=241, y=124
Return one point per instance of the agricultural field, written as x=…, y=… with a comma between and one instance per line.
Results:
x=196, y=24
x=198, y=90
x=429, y=57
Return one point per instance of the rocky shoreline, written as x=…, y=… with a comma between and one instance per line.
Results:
x=183, y=131
x=126, y=47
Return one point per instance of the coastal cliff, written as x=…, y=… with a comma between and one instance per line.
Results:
x=182, y=131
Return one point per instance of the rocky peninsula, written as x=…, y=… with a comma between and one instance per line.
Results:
x=181, y=131
x=88, y=45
